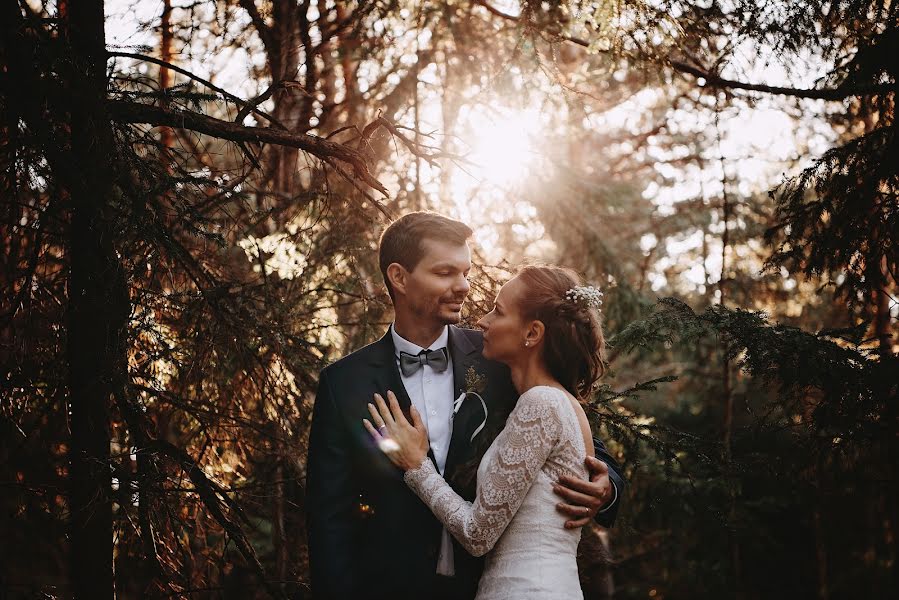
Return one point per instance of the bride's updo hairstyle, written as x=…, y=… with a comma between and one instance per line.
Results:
x=573, y=343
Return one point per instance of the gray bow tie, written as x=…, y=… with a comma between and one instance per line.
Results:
x=410, y=363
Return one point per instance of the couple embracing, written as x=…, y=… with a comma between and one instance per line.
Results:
x=452, y=463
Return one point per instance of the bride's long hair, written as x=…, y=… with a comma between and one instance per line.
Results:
x=574, y=345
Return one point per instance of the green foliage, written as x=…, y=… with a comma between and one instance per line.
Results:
x=759, y=446
x=839, y=218
x=848, y=389
x=818, y=410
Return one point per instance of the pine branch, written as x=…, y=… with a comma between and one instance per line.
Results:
x=216, y=499
x=132, y=112
x=715, y=81
x=838, y=217
x=854, y=388
x=249, y=106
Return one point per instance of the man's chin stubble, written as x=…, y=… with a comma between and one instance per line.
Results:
x=452, y=320
x=445, y=318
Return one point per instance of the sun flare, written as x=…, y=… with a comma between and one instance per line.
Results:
x=499, y=148
x=500, y=151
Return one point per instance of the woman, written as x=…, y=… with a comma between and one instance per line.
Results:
x=546, y=329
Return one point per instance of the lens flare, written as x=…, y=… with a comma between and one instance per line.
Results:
x=388, y=446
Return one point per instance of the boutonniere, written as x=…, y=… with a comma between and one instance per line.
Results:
x=475, y=383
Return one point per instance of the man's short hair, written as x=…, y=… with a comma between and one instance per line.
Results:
x=401, y=242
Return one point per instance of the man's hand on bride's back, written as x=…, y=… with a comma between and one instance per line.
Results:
x=581, y=500
x=405, y=444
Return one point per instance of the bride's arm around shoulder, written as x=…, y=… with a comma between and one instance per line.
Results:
x=531, y=433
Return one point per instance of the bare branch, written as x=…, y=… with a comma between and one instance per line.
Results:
x=264, y=31
x=132, y=112
x=352, y=181
x=207, y=83
x=839, y=93
x=216, y=498
x=415, y=148
x=252, y=104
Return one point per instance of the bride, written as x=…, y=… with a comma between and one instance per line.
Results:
x=546, y=328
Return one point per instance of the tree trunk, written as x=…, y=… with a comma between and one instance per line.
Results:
x=97, y=304
x=349, y=63
x=823, y=591
x=288, y=28
x=727, y=390
x=165, y=76
x=880, y=298
x=279, y=519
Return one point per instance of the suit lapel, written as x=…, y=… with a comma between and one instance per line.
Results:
x=463, y=353
x=386, y=373
x=465, y=356
x=386, y=376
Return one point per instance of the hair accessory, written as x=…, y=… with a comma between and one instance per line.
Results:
x=585, y=296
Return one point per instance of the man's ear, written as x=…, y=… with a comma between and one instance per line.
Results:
x=397, y=275
x=535, y=332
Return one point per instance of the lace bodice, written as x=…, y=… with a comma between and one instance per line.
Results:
x=541, y=441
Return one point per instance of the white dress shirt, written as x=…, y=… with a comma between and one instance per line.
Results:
x=431, y=393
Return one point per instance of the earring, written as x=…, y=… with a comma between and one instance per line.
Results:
x=527, y=343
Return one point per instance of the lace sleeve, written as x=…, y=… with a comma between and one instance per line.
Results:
x=531, y=432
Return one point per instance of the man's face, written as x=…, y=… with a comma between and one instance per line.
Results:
x=438, y=285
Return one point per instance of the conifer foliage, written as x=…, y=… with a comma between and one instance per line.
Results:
x=181, y=258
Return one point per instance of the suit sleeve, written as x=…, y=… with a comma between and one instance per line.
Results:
x=330, y=500
x=606, y=516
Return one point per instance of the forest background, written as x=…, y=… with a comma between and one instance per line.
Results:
x=192, y=192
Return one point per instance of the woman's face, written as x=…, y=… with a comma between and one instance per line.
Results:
x=504, y=327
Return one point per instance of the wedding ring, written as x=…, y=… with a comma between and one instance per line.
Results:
x=382, y=430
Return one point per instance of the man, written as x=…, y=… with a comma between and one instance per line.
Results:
x=369, y=535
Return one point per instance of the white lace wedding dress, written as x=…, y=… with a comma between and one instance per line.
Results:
x=514, y=512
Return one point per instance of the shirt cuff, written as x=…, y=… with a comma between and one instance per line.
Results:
x=614, y=499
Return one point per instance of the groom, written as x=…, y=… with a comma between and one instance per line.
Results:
x=369, y=535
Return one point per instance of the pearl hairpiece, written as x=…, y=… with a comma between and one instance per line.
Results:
x=585, y=296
